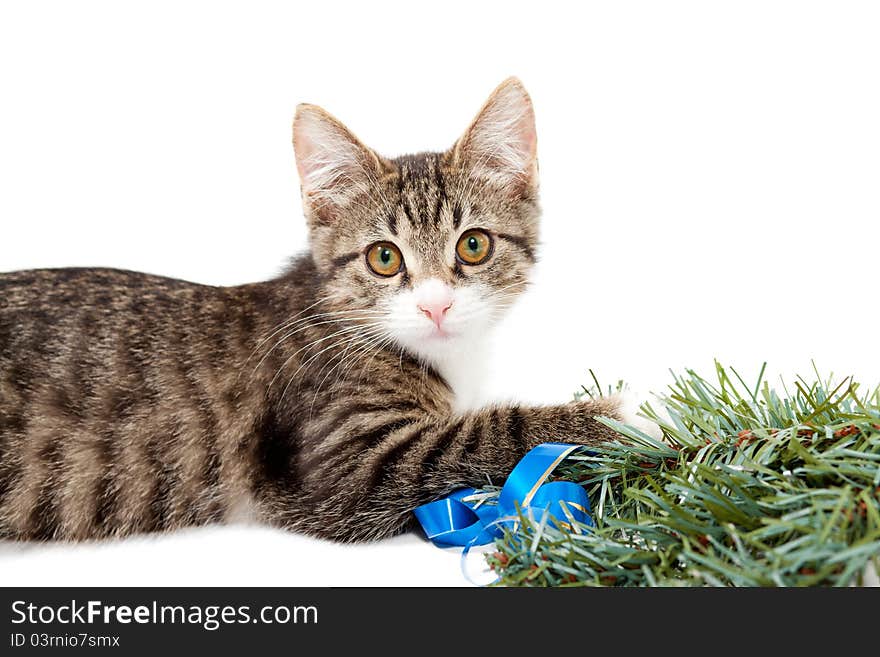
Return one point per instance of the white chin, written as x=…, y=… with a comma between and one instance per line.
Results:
x=433, y=346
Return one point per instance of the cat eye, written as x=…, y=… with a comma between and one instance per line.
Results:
x=384, y=259
x=474, y=247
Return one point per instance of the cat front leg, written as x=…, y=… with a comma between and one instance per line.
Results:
x=362, y=484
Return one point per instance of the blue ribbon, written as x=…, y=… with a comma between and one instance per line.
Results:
x=456, y=521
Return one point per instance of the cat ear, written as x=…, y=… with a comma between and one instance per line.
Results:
x=501, y=143
x=333, y=165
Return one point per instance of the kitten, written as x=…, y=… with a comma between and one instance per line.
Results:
x=335, y=398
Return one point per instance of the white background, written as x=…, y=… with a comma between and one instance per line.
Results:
x=709, y=173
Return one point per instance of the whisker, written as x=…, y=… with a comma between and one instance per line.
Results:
x=312, y=358
x=309, y=346
x=305, y=327
x=372, y=330
x=280, y=327
x=369, y=335
x=377, y=348
x=377, y=341
x=360, y=350
x=293, y=321
x=507, y=287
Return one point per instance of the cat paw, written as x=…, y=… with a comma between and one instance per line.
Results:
x=628, y=407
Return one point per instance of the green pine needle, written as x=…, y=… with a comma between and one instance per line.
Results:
x=749, y=487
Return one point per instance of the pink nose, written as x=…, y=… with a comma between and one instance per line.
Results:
x=436, y=310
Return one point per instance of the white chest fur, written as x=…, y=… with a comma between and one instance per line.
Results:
x=464, y=370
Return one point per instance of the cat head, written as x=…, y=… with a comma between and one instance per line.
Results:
x=424, y=250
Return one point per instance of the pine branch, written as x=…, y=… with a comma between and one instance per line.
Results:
x=749, y=487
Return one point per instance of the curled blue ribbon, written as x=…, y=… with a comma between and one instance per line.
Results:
x=459, y=521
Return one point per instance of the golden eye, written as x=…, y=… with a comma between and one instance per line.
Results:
x=384, y=258
x=474, y=247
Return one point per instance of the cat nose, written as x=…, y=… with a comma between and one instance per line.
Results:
x=435, y=310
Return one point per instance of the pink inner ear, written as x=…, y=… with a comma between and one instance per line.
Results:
x=501, y=143
x=328, y=157
x=304, y=149
x=317, y=146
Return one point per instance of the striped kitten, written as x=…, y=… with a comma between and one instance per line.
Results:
x=332, y=400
